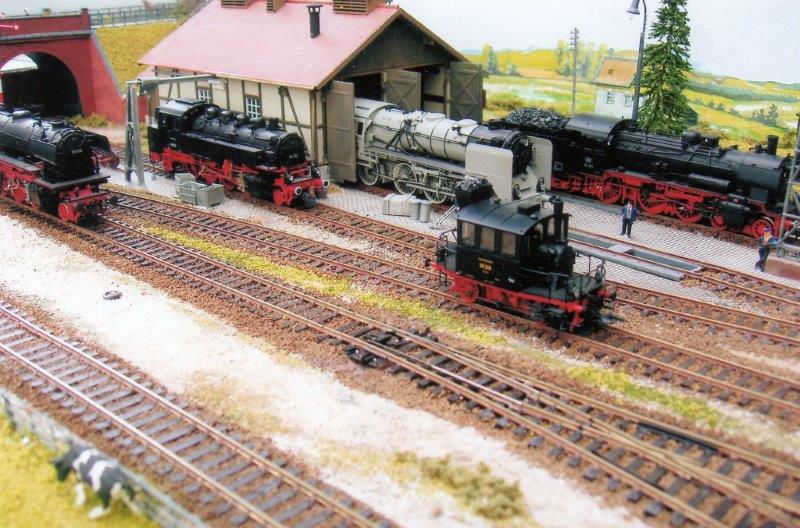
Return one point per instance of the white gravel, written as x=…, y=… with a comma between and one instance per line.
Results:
x=317, y=415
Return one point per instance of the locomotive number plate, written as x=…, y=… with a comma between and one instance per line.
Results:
x=485, y=265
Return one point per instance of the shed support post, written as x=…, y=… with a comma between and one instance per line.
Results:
x=294, y=112
x=133, y=140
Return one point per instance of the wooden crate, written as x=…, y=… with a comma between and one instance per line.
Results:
x=274, y=5
x=355, y=7
x=236, y=3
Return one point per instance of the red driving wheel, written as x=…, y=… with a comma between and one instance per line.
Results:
x=469, y=293
x=652, y=202
x=760, y=225
x=687, y=212
x=610, y=190
x=278, y=197
x=718, y=222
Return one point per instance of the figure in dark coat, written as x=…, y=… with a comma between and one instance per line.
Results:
x=629, y=212
x=765, y=243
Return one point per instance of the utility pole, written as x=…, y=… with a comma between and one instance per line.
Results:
x=574, y=38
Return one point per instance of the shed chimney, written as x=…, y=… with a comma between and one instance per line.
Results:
x=274, y=5
x=236, y=3
x=313, y=15
x=355, y=7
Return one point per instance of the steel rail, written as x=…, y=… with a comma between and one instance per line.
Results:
x=700, y=517
x=151, y=443
x=609, y=348
x=345, y=338
x=240, y=449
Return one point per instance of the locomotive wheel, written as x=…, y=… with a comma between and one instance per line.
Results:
x=470, y=294
x=718, y=222
x=367, y=176
x=610, y=190
x=651, y=202
x=403, y=174
x=435, y=196
x=760, y=225
x=687, y=212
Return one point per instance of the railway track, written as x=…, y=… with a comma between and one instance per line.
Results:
x=666, y=483
x=691, y=369
x=232, y=483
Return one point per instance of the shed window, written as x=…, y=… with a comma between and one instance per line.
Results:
x=204, y=94
x=467, y=234
x=252, y=106
x=508, y=244
x=610, y=97
x=628, y=100
x=487, y=239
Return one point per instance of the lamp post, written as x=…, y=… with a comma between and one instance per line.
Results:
x=634, y=10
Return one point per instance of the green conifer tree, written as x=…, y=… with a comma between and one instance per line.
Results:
x=665, y=71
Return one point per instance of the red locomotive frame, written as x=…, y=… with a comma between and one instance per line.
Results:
x=284, y=192
x=75, y=198
x=472, y=290
x=663, y=198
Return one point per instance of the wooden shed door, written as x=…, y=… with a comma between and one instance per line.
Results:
x=466, y=91
x=403, y=88
x=341, y=131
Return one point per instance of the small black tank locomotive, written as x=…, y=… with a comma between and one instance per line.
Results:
x=256, y=155
x=516, y=255
x=51, y=165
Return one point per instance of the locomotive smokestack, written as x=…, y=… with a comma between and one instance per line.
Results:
x=772, y=145
x=313, y=15
x=558, y=212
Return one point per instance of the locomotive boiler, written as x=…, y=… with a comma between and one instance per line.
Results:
x=516, y=255
x=254, y=155
x=51, y=165
x=690, y=177
x=427, y=153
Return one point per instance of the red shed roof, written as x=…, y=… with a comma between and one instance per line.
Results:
x=275, y=48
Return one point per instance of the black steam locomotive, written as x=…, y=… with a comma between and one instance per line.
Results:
x=689, y=177
x=51, y=165
x=516, y=255
x=256, y=155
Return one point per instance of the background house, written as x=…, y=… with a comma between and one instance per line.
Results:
x=614, y=80
x=267, y=63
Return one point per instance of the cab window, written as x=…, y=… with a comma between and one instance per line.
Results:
x=508, y=244
x=487, y=239
x=467, y=234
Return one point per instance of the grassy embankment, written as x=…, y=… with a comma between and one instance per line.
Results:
x=32, y=497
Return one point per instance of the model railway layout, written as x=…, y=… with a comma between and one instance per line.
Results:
x=697, y=495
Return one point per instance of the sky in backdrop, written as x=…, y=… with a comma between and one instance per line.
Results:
x=750, y=39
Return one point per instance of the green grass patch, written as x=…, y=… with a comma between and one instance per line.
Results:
x=126, y=45
x=224, y=395
x=693, y=409
x=476, y=488
x=337, y=288
x=32, y=497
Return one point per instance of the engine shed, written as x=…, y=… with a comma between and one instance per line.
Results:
x=306, y=63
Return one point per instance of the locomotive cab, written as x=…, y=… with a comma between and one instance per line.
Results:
x=516, y=255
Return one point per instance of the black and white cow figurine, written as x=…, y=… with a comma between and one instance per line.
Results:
x=101, y=474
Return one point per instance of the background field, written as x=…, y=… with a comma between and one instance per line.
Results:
x=725, y=105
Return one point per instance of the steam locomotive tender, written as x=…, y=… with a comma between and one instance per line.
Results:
x=51, y=165
x=256, y=156
x=689, y=177
x=425, y=153
x=516, y=255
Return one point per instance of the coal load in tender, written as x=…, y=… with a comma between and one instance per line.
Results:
x=537, y=117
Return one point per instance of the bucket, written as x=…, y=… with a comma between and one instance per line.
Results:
x=424, y=211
